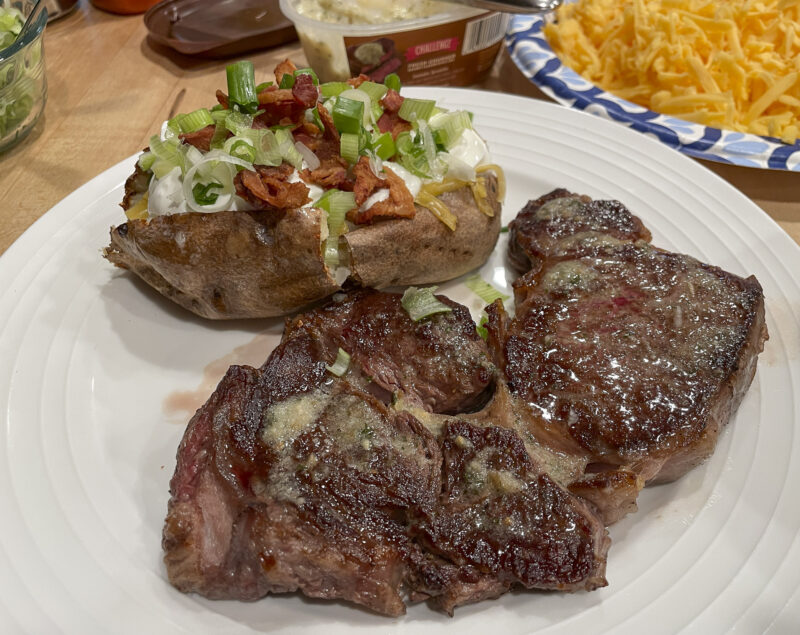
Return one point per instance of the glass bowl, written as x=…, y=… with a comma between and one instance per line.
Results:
x=23, y=86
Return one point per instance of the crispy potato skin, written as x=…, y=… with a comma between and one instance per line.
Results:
x=228, y=264
x=253, y=264
x=422, y=250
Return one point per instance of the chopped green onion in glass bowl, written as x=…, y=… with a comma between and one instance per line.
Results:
x=23, y=87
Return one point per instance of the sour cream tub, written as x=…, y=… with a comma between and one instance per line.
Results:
x=456, y=47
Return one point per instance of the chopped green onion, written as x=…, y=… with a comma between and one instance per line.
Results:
x=421, y=303
x=286, y=146
x=266, y=145
x=393, y=81
x=146, y=160
x=263, y=86
x=287, y=81
x=483, y=332
x=216, y=108
x=336, y=203
x=237, y=122
x=203, y=194
x=414, y=109
x=484, y=290
x=376, y=110
x=315, y=118
x=241, y=149
x=358, y=95
x=332, y=89
x=341, y=364
x=219, y=114
x=504, y=229
x=196, y=120
x=404, y=142
x=167, y=152
x=242, y=86
x=349, y=146
x=449, y=127
x=220, y=134
x=306, y=71
x=374, y=90
x=416, y=162
x=383, y=145
x=348, y=115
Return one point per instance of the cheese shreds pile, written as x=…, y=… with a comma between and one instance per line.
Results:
x=732, y=64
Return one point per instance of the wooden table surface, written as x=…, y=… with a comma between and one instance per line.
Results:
x=109, y=89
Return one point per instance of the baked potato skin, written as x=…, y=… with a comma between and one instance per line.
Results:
x=423, y=250
x=228, y=265
x=257, y=264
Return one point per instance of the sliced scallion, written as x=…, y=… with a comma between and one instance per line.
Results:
x=415, y=109
x=263, y=86
x=341, y=364
x=195, y=120
x=421, y=303
x=374, y=90
x=203, y=194
x=266, y=145
x=383, y=145
x=449, y=127
x=237, y=122
x=242, y=86
x=286, y=146
x=332, y=89
x=393, y=81
x=348, y=115
x=241, y=148
x=483, y=332
x=146, y=160
x=349, y=146
x=484, y=290
x=167, y=152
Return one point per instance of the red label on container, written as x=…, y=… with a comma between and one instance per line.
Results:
x=448, y=44
x=453, y=54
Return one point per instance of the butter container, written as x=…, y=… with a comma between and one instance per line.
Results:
x=454, y=46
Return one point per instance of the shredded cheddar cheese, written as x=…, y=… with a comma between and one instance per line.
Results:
x=732, y=64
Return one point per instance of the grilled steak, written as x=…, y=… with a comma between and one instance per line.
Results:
x=292, y=479
x=443, y=468
x=628, y=357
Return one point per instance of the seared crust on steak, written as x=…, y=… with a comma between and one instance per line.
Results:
x=634, y=356
x=290, y=478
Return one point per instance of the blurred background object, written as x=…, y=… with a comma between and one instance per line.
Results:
x=222, y=28
x=59, y=8
x=23, y=86
x=126, y=7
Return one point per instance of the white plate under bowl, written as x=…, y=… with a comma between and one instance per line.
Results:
x=99, y=375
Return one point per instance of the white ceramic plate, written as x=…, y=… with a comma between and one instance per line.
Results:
x=99, y=376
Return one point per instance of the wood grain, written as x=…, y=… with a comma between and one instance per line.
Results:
x=109, y=89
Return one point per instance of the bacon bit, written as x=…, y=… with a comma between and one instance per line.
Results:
x=355, y=82
x=304, y=91
x=391, y=122
x=200, y=139
x=286, y=67
x=400, y=203
x=327, y=121
x=332, y=172
x=268, y=187
x=392, y=101
x=275, y=95
x=222, y=98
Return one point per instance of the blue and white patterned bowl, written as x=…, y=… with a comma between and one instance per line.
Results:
x=537, y=61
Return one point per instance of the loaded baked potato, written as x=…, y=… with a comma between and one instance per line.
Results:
x=274, y=198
